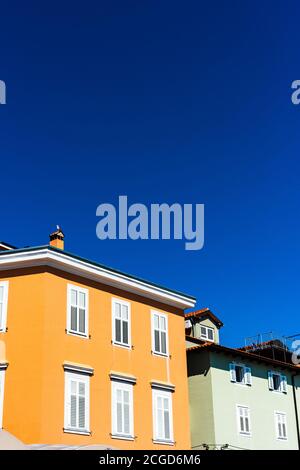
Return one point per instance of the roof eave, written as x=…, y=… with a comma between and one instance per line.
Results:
x=49, y=256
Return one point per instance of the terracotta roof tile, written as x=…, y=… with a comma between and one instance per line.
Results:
x=203, y=313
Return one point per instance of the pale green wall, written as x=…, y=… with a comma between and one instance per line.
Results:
x=206, y=322
x=218, y=399
x=200, y=397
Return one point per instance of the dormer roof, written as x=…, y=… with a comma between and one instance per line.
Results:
x=204, y=313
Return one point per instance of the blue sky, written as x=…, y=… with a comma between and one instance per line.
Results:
x=166, y=101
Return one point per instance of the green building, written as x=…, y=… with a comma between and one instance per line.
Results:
x=246, y=398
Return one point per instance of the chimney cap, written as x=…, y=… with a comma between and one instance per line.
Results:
x=58, y=234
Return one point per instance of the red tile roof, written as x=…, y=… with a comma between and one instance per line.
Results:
x=239, y=352
x=204, y=312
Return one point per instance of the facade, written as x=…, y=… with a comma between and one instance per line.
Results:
x=241, y=399
x=89, y=355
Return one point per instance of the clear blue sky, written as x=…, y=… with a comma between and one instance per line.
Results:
x=163, y=101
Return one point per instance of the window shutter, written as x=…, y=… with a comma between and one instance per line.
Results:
x=248, y=376
x=270, y=380
x=81, y=405
x=126, y=412
x=125, y=331
x=81, y=320
x=163, y=342
x=284, y=434
x=283, y=382
x=160, y=420
x=73, y=404
x=232, y=372
x=81, y=412
x=247, y=420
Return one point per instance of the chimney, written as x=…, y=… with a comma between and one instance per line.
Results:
x=57, y=238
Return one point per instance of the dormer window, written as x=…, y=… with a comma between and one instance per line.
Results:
x=206, y=333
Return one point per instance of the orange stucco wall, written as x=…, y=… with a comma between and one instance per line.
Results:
x=36, y=345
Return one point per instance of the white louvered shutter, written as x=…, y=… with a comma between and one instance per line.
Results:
x=160, y=419
x=73, y=310
x=81, y=405
x=81, y=311
x=126, y=411
x=166, y=419
x=270, y=380
x=248, y=376
x=283, y=383
x=232, y=372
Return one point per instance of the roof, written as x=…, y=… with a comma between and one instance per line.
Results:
x=204, y=312
x=6, y=246
x=202, y=345
x=69, y=262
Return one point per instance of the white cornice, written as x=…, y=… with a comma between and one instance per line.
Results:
x=80, y=267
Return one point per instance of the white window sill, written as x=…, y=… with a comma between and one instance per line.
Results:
x=241, y=384
x=122, y=345
x=159, y=354
x=163, y=442
x=79, y=335
x=83, y=432
x=122, y=437
x=245, y=434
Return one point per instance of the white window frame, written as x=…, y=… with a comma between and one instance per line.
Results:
x=247, y=378
x=127, y=387
x=2, y=383
x=277, y=416
x=69, y=376
x=283, y=382
x=78, y=289
x=113, y=313
x=3, y=320
x=240, y=431
x=206, y=338
x=156, y=393
x=165, y=316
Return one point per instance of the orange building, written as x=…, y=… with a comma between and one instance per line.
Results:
x=89, y=355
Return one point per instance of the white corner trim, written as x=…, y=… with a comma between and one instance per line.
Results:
x=45, y=256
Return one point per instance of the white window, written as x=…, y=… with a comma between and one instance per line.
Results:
x=277, y=382
x=159, y=333
x=240, y=374
x=280, y=425
x=77, y=398
x=122, y=410
x=3, y=304
x=243, y=420
x=77, y=317
x=162, y=416
x=206, y=333
x=2, y=376
x=121, y=329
